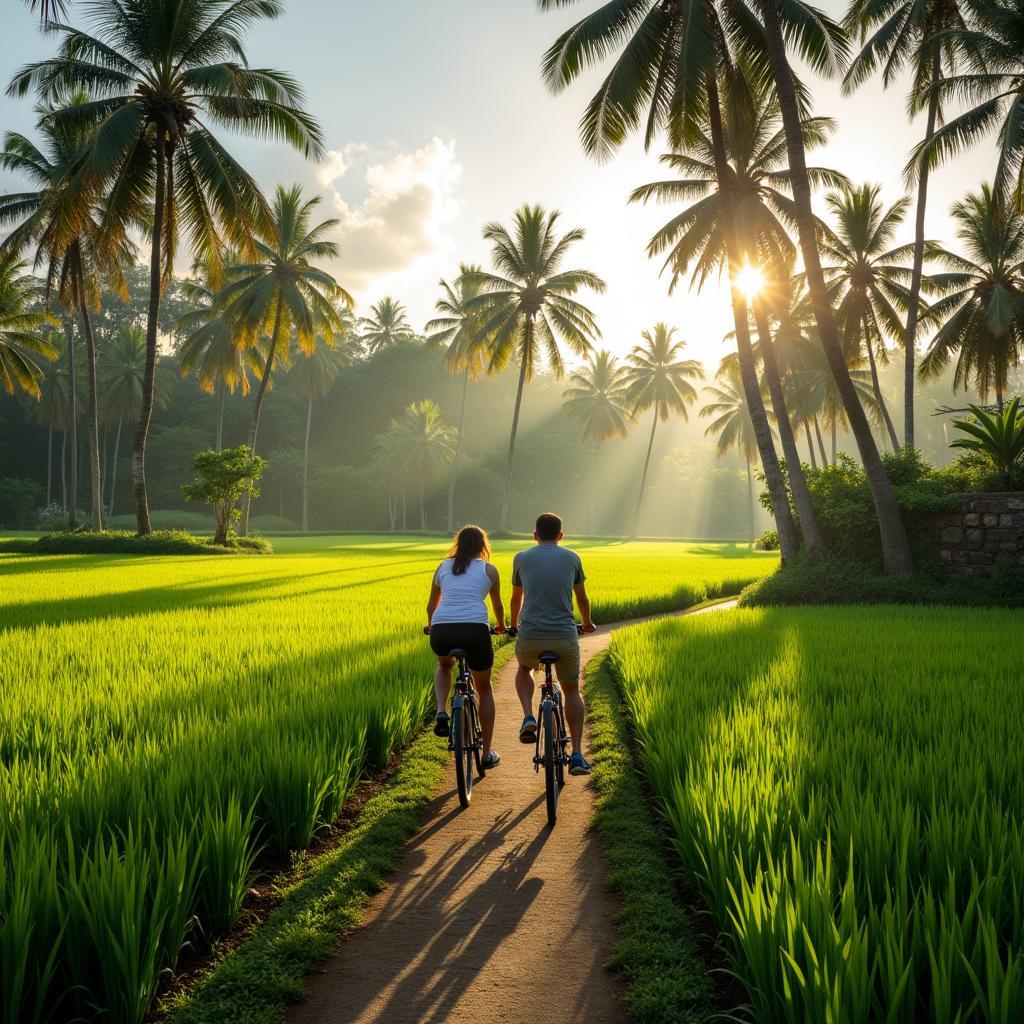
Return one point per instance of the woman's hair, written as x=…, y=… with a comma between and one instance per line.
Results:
x=470, y=543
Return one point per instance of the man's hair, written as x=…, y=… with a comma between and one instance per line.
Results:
x=549, y=526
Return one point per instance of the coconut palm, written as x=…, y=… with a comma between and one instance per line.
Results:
x=867, y=278
x=48, y=9
x=659, y=379
x=51, y=407
x=387, y=325
x=598, y=400
x=981, y=311
x=23, y=328
x=732, y=425
x=122, y=374
x=389, y=465
x=314, y=372
x=694, y=239
x=530, y=307
x=460, y=329
x=157, y=74
x=926, y=37
x=284, y=295
x=826, y=51
x=75, y=260
x=212, y=349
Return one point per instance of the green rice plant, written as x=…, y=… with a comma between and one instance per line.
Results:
x=845, y=788
x=226, y=855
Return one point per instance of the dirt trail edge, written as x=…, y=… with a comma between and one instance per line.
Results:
x=489, y=914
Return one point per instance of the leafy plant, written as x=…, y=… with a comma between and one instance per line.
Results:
x=998, y=436
x=222, y=478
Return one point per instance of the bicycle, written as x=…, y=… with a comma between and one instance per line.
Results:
x=465, y=737
x=553, y=740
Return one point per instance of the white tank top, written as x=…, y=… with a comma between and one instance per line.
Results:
x=463, y=597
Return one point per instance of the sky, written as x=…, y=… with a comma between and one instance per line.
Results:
x=437, y=122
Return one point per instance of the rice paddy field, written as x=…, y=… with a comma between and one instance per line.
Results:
x=165, y=722
x=846, y=787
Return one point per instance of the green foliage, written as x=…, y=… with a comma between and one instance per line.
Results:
x=160, y=542
x=769, y=541
x=19, y=503
x=274, y=524
x=159, y=723
x=844, y=787
x=222, y=479
x=846, y=581
x=999, y=437
x=167, y=519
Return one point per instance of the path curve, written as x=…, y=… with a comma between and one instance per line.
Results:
x=489, y=915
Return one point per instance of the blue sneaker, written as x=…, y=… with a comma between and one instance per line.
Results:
x=579, y=765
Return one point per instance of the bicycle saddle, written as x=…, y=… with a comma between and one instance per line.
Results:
x=458, y=652
x=547, y=658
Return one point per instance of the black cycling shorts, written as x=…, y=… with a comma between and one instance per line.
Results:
x=473, y=637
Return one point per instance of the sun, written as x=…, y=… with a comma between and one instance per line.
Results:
x=750, y=281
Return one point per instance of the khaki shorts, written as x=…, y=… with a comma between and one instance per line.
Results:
x=529, y=650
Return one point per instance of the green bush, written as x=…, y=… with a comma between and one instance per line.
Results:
x=19, y=503
x=162, y=542
x=768, y=541
x=167, y=519
x=845, y=581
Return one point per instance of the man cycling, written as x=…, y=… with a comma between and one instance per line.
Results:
x=544, y=580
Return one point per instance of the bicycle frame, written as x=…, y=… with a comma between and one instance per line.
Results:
x=551, y=697
x=463, y=687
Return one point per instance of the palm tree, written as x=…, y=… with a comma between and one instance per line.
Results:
x=982, y=309
x=284, y=294
x=122, y=373
x=659, y=380
x=927, y=37
x=51, y=407
x=315, y=372
x=212, y=349
x=156, y=77
x=387, y=325
x=529, y=305
x=389, y=465
x=826, y=50
x=460, y=329
x=755, y=147
x=23, y=324
x=420, y=444
x=598, y=400
x=732, y=425
x=867, y=278
x=75, y=261
x=48, y=9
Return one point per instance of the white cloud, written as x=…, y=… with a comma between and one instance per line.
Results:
x=393, y=210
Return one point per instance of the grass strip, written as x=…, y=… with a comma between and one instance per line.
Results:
x=658, y=951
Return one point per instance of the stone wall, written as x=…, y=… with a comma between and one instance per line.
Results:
x=984, y=531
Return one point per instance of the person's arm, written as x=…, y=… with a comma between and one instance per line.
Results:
x=517, y=595
x=434, y=600
x=495, y=595
x=582, y=601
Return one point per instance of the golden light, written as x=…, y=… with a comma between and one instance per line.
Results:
x=750, y=281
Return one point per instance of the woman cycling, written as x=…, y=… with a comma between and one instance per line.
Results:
x=457, y=617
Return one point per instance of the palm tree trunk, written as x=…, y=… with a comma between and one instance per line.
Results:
x=593, y=490
x=49, y=465
x=788, y=538
x=254, y=424
x=113, y=470
x=750, y=504
x=999, y=400
x=876, y=386
x=813, y=539
x=405, y=512
x=220, y=416
x=458, y=455
x=143, y=525
x=910, y=335
x=72, y=431
x=643, y=477
x=305, y=469
x=423, y=511
x=821, y=442
x=528, y=345
x=94, y=413
x=64, y=471
x=896, y=554
x=810, y=444
x=834, y=440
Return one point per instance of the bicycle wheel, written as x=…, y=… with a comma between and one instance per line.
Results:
x=462, y=743
x=549, y=746
x=562, y=743
x=478, y=741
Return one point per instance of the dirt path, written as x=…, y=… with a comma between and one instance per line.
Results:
x=489, y=916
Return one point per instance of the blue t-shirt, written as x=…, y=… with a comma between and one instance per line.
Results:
x=547, y=573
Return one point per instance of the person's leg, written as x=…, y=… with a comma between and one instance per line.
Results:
x=575, y=712
x=525, y=687
x=485, y=701
x=443, y=683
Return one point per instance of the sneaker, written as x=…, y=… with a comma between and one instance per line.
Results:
x=492, y=760
x=579, y=765
x=528, y=730
x=442, y=724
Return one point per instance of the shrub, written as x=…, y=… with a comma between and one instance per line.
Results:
x=55, y=517
x=19, y=500
x=161, y=542
x=167, y=519
x=222, y=479
x=769, y=541
x=999, y=438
